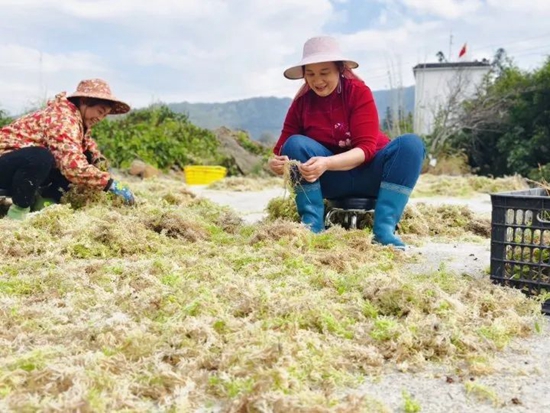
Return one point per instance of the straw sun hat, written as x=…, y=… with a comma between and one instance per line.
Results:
x=99, y=89
x=317, y=50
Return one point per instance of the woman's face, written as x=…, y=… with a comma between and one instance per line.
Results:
x=93, y=114
x=322, y=78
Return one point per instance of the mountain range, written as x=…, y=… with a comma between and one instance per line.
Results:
x=265, y=115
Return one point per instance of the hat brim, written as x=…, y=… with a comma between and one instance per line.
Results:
x=296, y=72
x=118, y=108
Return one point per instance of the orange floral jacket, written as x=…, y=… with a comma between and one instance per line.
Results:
x=60, y=129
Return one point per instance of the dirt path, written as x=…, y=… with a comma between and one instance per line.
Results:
x=520, y=384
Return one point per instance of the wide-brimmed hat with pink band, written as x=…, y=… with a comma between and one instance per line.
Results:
x=99, y=89
x=317, y=50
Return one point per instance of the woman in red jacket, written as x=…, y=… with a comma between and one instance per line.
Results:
x=44, y=152
x=332, y=128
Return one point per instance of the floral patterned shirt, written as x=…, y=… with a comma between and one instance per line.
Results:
x=60, y=129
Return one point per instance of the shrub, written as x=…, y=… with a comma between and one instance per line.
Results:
x=157, y=136
x=4, y=118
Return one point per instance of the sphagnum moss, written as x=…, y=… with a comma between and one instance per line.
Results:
x=175, y=304
x=465, y=186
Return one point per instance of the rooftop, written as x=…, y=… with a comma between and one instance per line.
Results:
x=446, y=65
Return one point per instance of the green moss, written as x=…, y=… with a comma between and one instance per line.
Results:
x=283, y=208
x=384, y=329
x=410, y=405
x=18, y=287
x=31, y=361
x=96, y=400
x=481, y=392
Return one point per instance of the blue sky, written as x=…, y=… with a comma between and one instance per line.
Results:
x=222, y=50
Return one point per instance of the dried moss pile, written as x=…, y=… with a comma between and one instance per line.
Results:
x=175, y=304
x=465, y=186
x=241, y=184
x=420, y=219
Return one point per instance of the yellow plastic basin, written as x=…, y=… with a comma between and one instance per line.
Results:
x=203, y=174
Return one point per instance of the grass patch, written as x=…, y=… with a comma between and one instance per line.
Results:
x=482, y=392
x=410, y=405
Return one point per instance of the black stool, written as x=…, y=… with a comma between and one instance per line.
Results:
x=349, y=209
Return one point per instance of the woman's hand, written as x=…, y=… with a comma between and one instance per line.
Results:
x=277, y=163
x=314, y=168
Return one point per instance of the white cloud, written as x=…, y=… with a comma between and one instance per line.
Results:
x=449, y=9
x=217, y=50
x=214, y=49
x=234, y=55
x=27, y=59
x=401, y=41
x=29, y=75
x=533, y=6
x=383, y=18
x=116, y=9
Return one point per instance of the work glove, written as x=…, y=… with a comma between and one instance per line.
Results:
x=123, y=192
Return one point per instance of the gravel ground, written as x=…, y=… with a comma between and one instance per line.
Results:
x=522, y=372
x=519, y=384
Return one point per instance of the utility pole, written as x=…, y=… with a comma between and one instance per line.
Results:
x=450, y=45
x=42, y=89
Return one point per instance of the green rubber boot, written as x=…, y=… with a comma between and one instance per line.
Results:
x=17, y=213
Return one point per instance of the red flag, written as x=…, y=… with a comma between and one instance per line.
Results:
x=462, y=51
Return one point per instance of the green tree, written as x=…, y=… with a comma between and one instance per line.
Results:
x=404, y=123
x=441, y=57
x=387, y=124
x=506, y=128
x=501, y=61
x=4, y=118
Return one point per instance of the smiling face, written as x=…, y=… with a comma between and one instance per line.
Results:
x=93, y=112
x=322, y=78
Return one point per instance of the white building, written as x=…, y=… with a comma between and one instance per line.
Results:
x=440, y=86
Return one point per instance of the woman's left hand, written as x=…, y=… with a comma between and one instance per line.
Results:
x=314, y=168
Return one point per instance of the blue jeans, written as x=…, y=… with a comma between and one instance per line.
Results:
x=399, y=163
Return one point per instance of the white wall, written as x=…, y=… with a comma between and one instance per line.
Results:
x=435, y=87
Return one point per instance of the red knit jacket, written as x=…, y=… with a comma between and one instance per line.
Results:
x=339, y=122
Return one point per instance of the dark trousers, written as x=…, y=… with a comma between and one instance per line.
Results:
x=28, y=171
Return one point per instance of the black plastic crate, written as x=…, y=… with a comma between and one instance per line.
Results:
x=520, y=241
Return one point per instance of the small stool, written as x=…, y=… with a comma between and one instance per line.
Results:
x=349, y=209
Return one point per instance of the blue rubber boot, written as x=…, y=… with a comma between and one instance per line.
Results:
x=390, y=205
x=310, y=205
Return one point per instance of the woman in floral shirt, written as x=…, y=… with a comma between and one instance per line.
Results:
x=52, y=148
